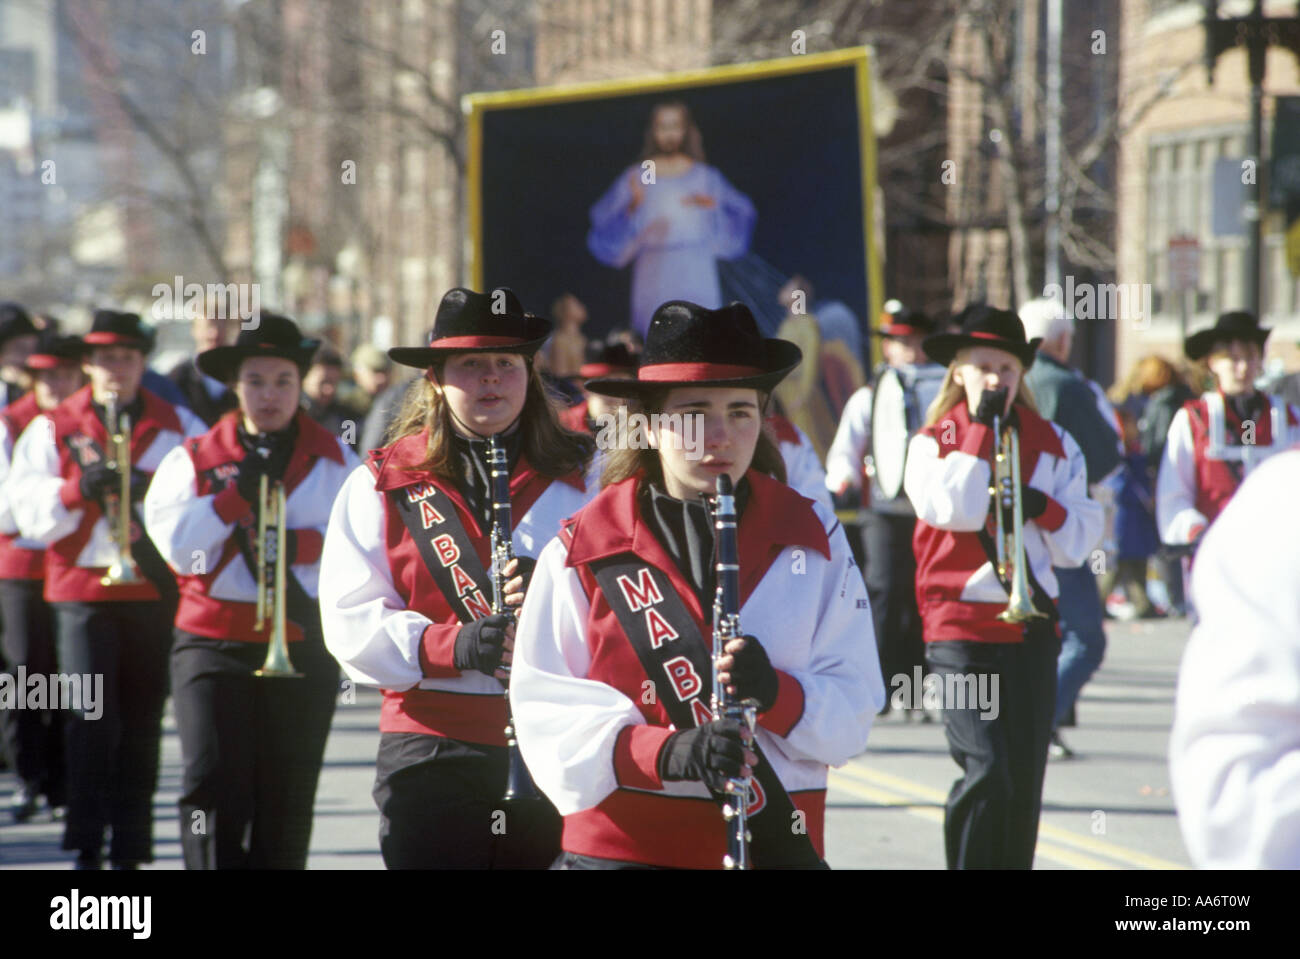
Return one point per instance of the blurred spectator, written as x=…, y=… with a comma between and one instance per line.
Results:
x=206, y=398
x=383, y=411
x=1135, y=525
x=567, y=346
x=372, y=372
x=18, y=340
x=320, y=388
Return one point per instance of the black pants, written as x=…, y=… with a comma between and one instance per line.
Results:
x=993, y=810
x=252, y=748
x=890, y=574
x=112, y=760
x=33, y=738
x=440, y=807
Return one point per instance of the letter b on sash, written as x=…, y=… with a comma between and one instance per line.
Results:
x=685, y=680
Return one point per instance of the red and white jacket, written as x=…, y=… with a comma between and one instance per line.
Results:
x=592, y=741
x=193, y=507
x=47, y=499
x=947, y=477
x=1205, y=460
x=19, y=558
x=385, y=619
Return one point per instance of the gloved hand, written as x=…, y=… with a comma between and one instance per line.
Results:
x=1032, y=501
x=248, y=481
x=711, y=754
x=992, y=403
x=752, y=674
x=525, y=565
x=479, y=644
x=139, y=484
x=96, y=480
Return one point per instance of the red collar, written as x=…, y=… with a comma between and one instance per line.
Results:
x=157, y=415
x=784, y=429
x=1036, y=433
x=397, y=465
x=21, y=412
x=221, y=444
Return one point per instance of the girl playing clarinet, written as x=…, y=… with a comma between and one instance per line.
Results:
x=612, y=675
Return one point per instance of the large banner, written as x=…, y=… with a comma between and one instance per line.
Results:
x=752, y=182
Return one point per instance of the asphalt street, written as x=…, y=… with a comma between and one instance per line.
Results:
x=1107, y=808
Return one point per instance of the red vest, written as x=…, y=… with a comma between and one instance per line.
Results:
x=214, y=455
x=470, y=718
x=1217, y=479
x=17, y=562
x=75, y=420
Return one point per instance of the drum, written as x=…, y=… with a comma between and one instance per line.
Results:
x=889, y=434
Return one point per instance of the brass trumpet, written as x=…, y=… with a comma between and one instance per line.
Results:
x=122, y=570
x=1011, y=543
x=271, y=576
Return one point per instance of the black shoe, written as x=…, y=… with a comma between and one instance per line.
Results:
x=1067, y=721
x=1057, y=749
x=125, y=864
x=23, y=804
x=88, y=859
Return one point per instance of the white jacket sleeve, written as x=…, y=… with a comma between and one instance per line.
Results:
x=1234, y=751
x=804, y=473
x=567, y=724
x=8, y=525
x=842, y=686
x=1070, y=544
x=35, y=483
x=950, y=492
x=844, y=458
x=367, y=626
x=1176, y=512
x=178, y=520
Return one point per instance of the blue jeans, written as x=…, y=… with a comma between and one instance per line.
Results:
x=1083, y=640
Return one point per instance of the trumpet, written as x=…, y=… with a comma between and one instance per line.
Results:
x=726, y=627
x=271, y=576
x=1010, y=543
x=122, y=570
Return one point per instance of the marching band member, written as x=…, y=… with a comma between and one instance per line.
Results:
x=33, y=738
x=1234, y=751
x=910, y=383
x=603, y=359
x=1216, y=440
x=252, y=746
x=612, y=666
x=993, y=810
x=803, y=470
x=61, y=489
x=405, y=589
x=18, y=339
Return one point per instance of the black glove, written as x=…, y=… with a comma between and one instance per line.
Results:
x=525, y=569
x=251, y=470
x=139, y=484
x=96, y=480
x=478, y=644
x=1032, y=501
x=753, y=675
x=992, y=403
x=711, y=754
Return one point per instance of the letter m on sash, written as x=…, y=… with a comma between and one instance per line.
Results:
x=642, y=593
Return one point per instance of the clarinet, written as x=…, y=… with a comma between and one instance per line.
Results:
x=726, y=627
x=519, y=784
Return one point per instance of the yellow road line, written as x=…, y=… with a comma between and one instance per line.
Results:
x=882, y=797
x=1131, y=857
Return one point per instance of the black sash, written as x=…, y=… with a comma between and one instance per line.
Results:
x=446, y=549
x=674, y=656
x=86, y=451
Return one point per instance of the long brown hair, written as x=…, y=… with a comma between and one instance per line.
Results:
x=624, y=461
x=551, y=449
x=950, y=393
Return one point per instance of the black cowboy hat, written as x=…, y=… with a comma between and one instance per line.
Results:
x=274, y=335
x=905, y=322
x=111, y=328
x=984, y=325
x=56, y=351
x=1237, y=325
x=469, y=322
x=688, y=345
x=606, y=358
x=14, y=321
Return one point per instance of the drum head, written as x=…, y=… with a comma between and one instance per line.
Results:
x=889, y=432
